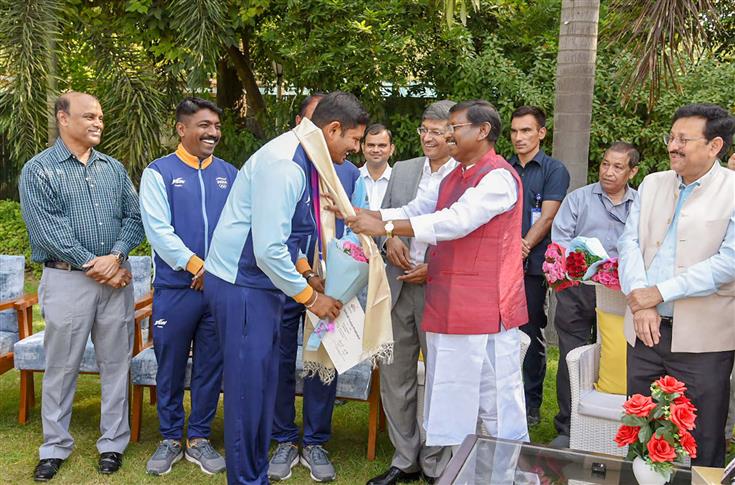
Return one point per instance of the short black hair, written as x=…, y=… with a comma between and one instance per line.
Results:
x=63, y=103
x=191, y=105
x=634, y=156
x=342, y=107
x=534, y=111
x=719, y=122
x=377, y=129
x=307, y=100
x=480, y=111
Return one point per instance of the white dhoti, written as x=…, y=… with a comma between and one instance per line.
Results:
x=470, y=377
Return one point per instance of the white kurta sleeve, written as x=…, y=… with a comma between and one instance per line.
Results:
x=496, y=193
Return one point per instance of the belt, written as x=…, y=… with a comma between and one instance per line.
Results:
x=667, y=321
x=60, y=265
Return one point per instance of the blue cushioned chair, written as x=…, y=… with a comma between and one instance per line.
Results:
x=12, y=270
x=361, y=383
x=29, y=354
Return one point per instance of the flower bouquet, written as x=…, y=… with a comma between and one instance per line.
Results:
x=657, y=428
x=554, y=267
x=348, y=271
x=584, y=260
x=348, y=268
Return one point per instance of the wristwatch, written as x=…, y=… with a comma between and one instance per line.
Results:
x=309, y=275
x=120, y=257
x=389, y=229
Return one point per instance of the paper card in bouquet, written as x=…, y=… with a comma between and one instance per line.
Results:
x=344, y=342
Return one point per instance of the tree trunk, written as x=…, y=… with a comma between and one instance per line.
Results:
x=575, y=84
x=229, y=87
x=52, y=132
x=256, y=111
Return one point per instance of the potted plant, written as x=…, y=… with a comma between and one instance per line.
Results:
x=656, y=429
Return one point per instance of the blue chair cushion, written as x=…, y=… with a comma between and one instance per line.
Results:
x=353, y=384
x=30, y=354
x=12, y=269
x=7, y=339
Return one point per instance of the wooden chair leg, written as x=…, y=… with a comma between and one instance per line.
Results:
x=373, y=415
x=32, y=392
x=6, y=362
x=137, y=413
x=153, y=395
x=26, y=394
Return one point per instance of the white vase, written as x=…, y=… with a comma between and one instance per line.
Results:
x=645, y=474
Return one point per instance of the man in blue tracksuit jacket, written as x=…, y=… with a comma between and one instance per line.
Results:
x=251, y=270
x=318, y=402
x=181, y=198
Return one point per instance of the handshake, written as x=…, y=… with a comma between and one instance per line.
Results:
x=106, y=270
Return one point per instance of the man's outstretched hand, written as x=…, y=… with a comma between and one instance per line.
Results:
x=365, y=223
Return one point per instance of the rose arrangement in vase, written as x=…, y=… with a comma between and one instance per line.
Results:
x=657, y=428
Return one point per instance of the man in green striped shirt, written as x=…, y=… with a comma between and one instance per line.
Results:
x=82, y=215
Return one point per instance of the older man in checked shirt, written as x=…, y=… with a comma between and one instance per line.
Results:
x=82, y=216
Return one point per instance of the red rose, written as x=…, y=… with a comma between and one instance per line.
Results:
x=683, y=415
x=639, y=405
x=627, y=435
x=576, y=264
x=660, y=450
x=670, y=385
x=688, y=443
x=684, y=401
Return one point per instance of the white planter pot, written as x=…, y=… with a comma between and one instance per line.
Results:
x=645, y=474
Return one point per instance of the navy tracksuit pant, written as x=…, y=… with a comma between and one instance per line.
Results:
x=182, y=317
x=318, y=402
x=248, y=321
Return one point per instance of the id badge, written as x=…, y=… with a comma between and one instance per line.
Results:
x=535, y=215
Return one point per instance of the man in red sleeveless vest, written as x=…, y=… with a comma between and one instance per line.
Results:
x=475, y=298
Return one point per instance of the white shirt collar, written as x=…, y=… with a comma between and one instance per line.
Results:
x=386, y=173
x=444, y=169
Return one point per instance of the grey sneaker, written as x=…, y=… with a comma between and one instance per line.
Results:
x=201, y=452
x=316, y=459
x=167, y=453
x=283, y=460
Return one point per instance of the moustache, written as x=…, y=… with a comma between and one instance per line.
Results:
x=674, y=152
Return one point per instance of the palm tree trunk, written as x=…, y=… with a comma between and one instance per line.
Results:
x=575, y=84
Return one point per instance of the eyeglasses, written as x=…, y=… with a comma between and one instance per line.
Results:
x=433, y=133
x=668, y=139
x=453, y=128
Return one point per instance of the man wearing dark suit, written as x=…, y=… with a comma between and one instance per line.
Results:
x=406, y=275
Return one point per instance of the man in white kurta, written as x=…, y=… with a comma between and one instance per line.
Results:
x=474, y=292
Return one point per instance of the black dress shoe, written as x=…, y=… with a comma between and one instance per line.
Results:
x=110, y=462
x=394, y=475
x=46, y=469
x=533, y=417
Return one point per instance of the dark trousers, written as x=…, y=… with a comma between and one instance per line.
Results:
x=707, y=377
x=534, y=365
x=181, y=316
x=318, y=402
x=248, y=320
x=575, y=321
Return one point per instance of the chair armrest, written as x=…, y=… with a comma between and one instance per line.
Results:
x=584, y=369
x=23, y=306
x=144, y=301
x=138, y=344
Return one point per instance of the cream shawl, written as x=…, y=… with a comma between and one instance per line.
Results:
x=377, y=341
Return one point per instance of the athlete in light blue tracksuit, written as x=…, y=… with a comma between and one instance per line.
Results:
x=181, y=198
x=251, y=270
